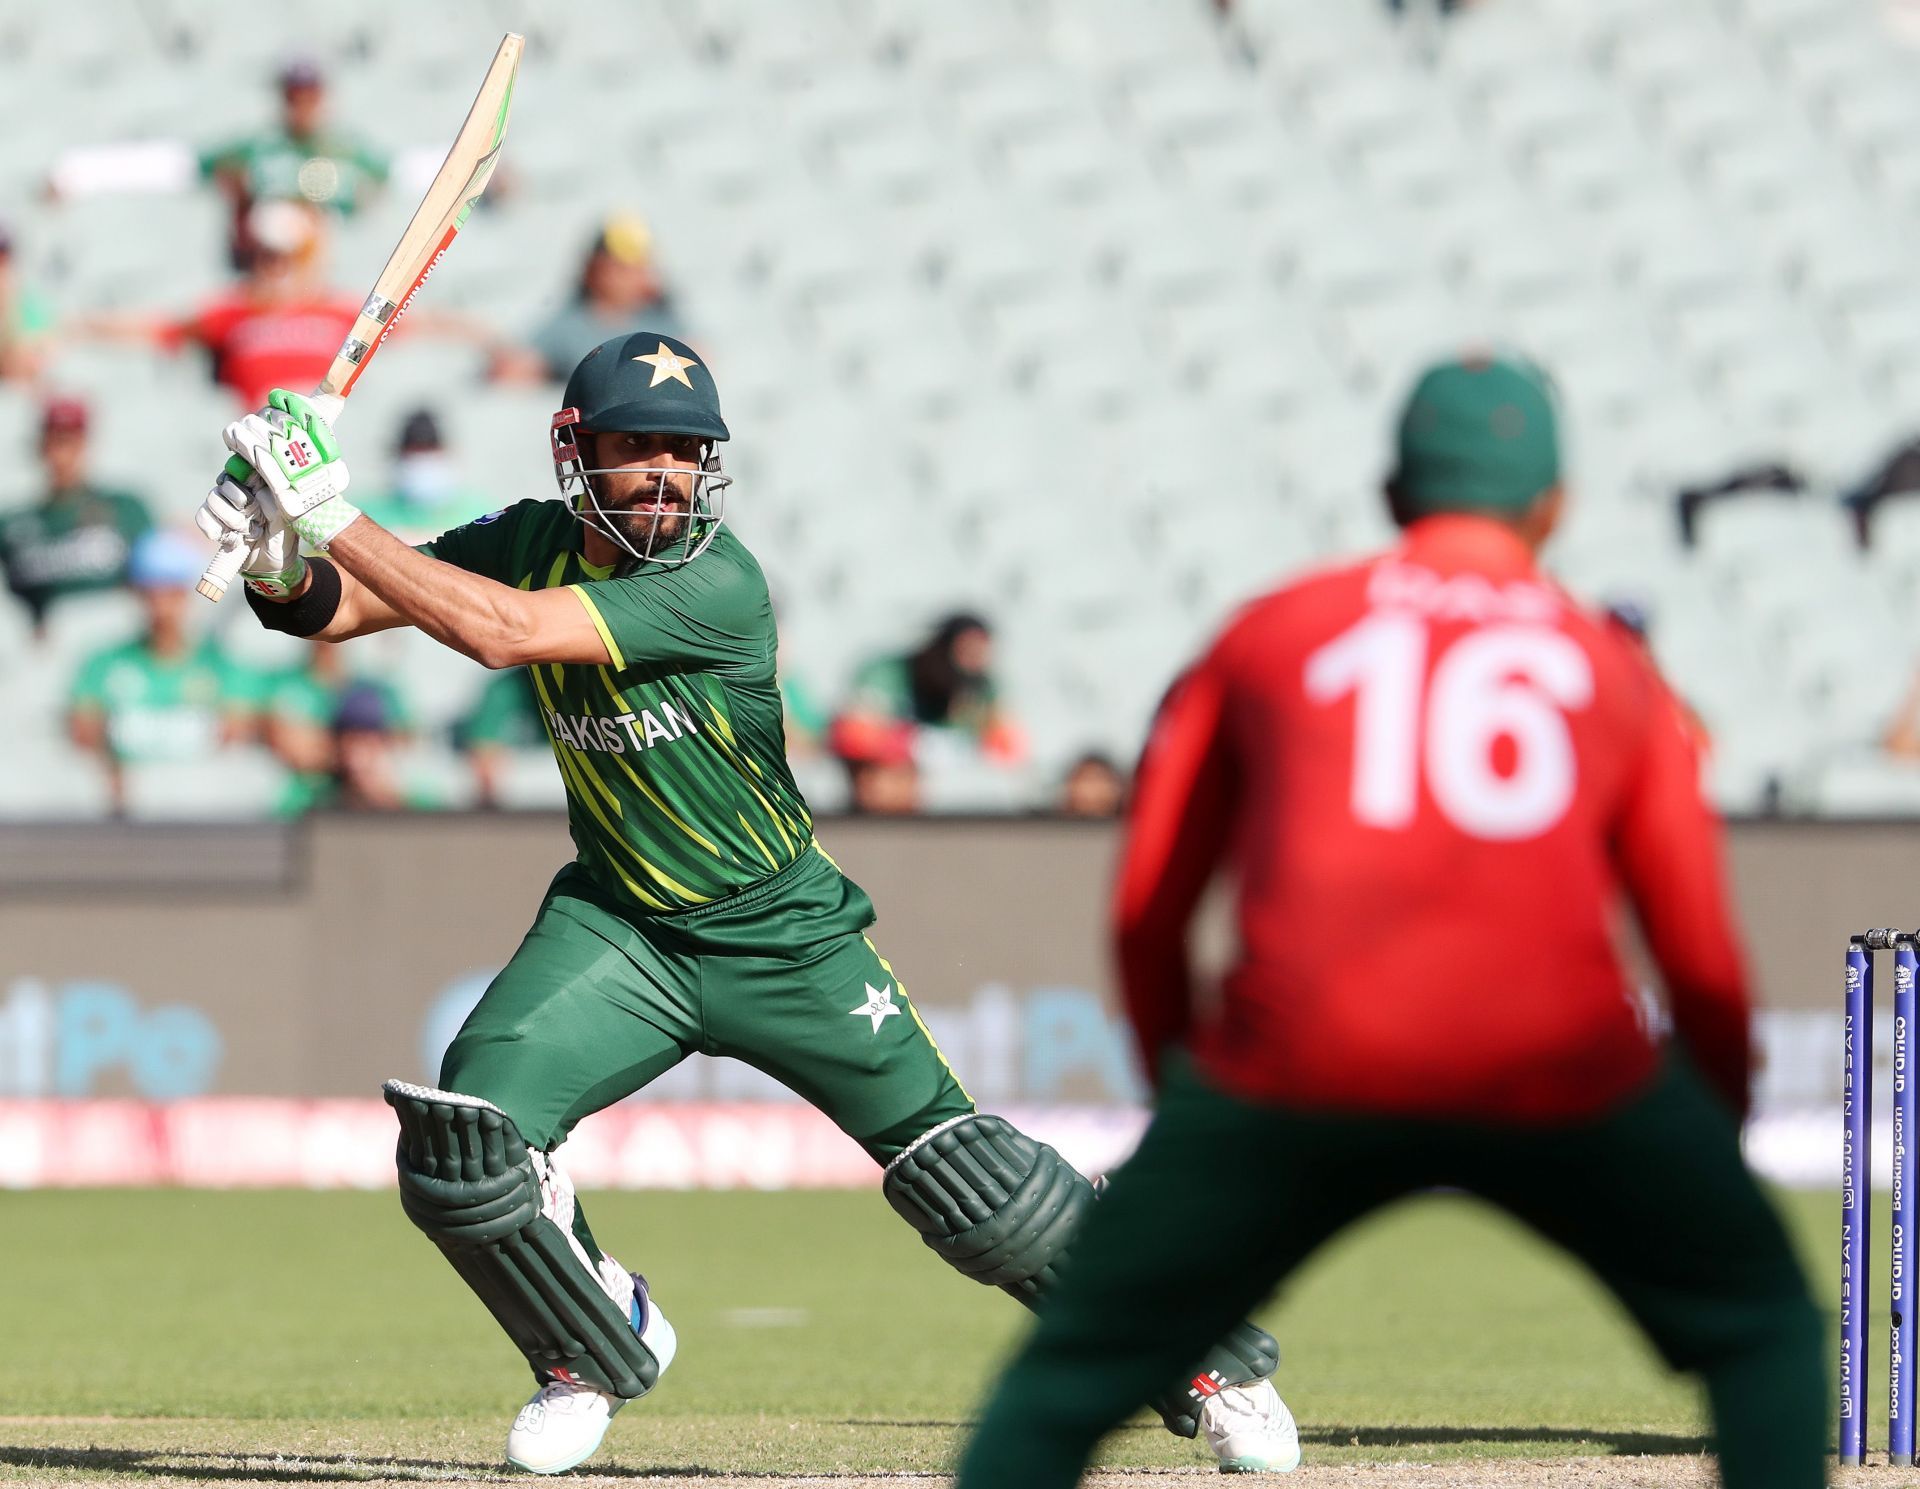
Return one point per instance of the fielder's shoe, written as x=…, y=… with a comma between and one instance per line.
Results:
x=565, y=1422
x=1250, y=1429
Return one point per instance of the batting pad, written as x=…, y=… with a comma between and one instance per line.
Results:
x=1003, y=1209
x=468, y=1180
x=992, y=1203
x=1248, y=1353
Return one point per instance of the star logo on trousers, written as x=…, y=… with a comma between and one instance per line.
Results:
x=879, y=1005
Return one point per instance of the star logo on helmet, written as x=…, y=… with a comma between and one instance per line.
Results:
x=666, y=363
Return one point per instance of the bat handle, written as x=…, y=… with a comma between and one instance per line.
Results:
x=220, y=573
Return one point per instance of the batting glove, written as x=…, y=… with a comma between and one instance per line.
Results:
x=291, y=448
x=272, y=565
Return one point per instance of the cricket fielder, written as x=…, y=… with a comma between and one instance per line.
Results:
x=700, y=914
x=1429, y=772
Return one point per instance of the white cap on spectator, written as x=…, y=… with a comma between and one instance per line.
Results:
x=280, y=227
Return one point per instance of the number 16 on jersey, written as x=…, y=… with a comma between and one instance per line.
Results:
x=1507, y=681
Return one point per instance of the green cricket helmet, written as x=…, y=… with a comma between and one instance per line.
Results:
x=644, y=383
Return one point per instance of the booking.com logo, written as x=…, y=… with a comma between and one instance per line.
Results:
x=71, y=1038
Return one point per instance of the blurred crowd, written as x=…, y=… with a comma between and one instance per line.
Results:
x=336, y=732
x=928, y=707
x=168, y=692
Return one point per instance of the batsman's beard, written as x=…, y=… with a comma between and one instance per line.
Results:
x=650, y=510
x=652, y=532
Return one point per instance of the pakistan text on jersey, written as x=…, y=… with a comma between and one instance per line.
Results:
x=615, y=735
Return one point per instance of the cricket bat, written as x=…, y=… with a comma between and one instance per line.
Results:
x=441, y=214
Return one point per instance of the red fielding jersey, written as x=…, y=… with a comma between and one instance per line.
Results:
x=1431, y=775
x=257, y=348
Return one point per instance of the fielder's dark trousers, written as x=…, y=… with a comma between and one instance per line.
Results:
x=1653, y=1196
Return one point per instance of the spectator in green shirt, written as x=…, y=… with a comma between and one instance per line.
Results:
x=427, y=496
x=506, y=719
x=25, y=319
x=165, y=695
x=806, y=720
x=945, y=685
x=367, y=736
x=300, y=706
x=76, y=538
x=303, y=159
x=805, y=717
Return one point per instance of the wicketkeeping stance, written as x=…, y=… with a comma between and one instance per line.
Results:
x=700, y=914
x=1430, y=773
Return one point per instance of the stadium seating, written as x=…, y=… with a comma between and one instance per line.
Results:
x=1096, y=324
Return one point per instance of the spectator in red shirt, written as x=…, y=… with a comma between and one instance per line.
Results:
x=1429, y=775
x=279, y=326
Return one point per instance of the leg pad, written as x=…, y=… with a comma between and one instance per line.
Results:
x=1003, y=1209
x=1248, y=1353
x=469, y=1181
x=991, y=1202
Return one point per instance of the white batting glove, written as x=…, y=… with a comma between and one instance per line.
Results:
x=291, y=448
x=272, y=565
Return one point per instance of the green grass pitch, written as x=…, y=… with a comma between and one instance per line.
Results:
x=317, y=1336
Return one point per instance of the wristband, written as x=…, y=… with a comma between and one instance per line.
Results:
x=278, y=586
x=310, y=613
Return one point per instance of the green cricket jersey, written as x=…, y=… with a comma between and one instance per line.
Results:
x=328, y=169
x=163, y=708
x=674, y=756
x=70, y=543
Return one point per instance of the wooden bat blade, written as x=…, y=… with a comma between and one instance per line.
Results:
x=442, y=212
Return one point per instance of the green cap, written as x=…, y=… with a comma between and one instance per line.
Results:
x=1477, y=435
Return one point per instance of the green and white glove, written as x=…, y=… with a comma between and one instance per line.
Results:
x=272, y=564
x=290, y=446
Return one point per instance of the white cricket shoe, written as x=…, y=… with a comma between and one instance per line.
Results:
x=565, y=1423
x=1250, y=1429
x=560, y=1428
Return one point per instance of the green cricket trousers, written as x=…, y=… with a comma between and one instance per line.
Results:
x=596, y=1003
x=1653, y=1195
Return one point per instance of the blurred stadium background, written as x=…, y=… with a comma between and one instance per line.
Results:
x=1087, y=320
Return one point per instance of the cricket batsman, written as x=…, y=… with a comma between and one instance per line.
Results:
x=699, y=915
x=1429, y=773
